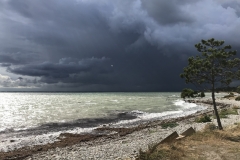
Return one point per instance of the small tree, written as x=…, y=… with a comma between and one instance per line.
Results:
x=214, y=67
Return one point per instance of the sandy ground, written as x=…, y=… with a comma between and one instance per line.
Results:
x=118, y=143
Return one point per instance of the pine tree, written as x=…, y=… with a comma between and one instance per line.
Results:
x=212, y=68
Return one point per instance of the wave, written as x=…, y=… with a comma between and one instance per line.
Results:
x=183, y=109
x=49, y=133
x=183, y=104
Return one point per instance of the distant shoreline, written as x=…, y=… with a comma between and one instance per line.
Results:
x=91, y=91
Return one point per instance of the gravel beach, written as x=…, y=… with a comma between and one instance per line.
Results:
x=117, y=146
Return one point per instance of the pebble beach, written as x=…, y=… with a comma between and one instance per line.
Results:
x=121, y=147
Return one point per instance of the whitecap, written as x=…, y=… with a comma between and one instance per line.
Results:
x=184, y=104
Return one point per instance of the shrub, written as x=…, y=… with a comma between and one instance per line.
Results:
x=230, y=95
x=202, y=94
x=238, y=89
x=170, y=124
x=237, y=98
x=203, y=119
x=186, y=92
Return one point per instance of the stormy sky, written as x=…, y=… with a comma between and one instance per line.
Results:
x=107, y=45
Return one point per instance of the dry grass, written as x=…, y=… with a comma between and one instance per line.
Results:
x=235, y=107
x=207, y=145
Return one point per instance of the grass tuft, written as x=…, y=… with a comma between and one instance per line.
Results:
x=235, y=107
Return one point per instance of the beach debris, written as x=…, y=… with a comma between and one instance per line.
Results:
x=190, y=131
x=172, y=137
x=175, y=136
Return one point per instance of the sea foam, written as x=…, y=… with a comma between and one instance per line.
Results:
x=184, y=104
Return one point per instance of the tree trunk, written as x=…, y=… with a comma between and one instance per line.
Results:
x=215, y=109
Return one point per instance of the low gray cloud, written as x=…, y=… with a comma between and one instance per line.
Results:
x=67, y=70
x=21, y=83
x=234, y=5
x=146, y=42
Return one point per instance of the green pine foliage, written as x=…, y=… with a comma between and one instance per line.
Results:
x=216, y=66
x=213, y=65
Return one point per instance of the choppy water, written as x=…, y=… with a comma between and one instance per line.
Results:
x=19, y=111
x=28, y=119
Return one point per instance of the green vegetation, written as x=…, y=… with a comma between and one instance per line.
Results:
x=202, y=94
x=186, y=92
x=189, y=93
x=170, y=125
x=225, y=112
x=229, y=111
x=231, y=94
x=215, y=66
x=237, y=98
x=203, y=119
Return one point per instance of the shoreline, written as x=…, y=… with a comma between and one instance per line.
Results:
x=50, y=133
x=109, y=143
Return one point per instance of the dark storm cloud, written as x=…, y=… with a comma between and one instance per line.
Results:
x=145, y=43
x=60, y=27
x=18, y=58
x=234, y=5
x=5, y=64
x=67, y=70
x=167, y=12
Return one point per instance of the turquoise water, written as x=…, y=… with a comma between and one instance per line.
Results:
x=31, y=109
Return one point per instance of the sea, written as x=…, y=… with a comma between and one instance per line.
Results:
x=29, y=110
x=29, y=118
